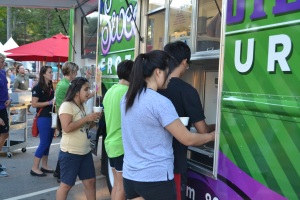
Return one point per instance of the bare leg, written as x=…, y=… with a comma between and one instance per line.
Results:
x=114, y=189
x=118, y=185
x=63, y=191
x=3, y=138
x=90, y=188
x=36, y=164
x=45, y=162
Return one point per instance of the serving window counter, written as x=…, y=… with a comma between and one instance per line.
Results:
x=203, y=75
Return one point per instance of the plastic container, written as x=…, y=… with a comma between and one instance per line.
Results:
x=20, y=97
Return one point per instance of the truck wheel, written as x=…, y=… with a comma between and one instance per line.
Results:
x=109, y=176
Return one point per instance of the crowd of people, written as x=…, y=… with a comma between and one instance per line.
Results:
x=146, y=142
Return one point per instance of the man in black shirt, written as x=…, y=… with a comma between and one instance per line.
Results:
x=187, y=103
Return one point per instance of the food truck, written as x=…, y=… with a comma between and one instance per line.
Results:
x=244, y=67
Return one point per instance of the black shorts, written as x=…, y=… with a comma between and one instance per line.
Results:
x=161, y=190
x=4, y=117
x=117, y=163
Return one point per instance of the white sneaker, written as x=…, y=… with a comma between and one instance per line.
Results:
x=2, y=167
x=3, y=173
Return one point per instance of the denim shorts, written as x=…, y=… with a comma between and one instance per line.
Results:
x=73, y=165
x=160, y=190
x=117, y=163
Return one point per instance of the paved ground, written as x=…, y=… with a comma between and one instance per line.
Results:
x=21, y=185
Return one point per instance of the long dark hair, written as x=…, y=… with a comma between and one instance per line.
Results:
x=42, y=83
x=143, y=67
x=75, y=87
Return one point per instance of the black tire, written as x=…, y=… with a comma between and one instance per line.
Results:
x=109, y=176
x=9, y=155
x=23, y=150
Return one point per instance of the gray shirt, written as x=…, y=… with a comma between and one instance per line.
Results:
x=22, y=81
x=148, y=152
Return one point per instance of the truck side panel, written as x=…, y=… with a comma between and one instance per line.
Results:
x=260, y=122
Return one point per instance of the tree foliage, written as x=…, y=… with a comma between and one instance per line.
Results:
x=2, y=25
x=32, y=24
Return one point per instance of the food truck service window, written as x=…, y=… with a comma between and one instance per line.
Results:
x=197, y=23
x=154, y=5
x=209, y=25
x=180, y=21
x=155, y=23
x=89, y=35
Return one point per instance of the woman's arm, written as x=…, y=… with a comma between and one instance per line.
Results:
x=68, y=125
x=36, y=104
x=181, y=133
x=202, y=127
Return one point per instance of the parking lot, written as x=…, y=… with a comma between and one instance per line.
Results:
x=21, y=185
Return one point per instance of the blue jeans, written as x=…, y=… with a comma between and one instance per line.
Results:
x=46, y=134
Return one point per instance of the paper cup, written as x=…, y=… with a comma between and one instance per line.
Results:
x=184, y=120
x=97, y=109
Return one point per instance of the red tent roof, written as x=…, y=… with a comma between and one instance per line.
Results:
x=54, y=49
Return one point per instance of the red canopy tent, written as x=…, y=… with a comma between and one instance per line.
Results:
x=54, y=49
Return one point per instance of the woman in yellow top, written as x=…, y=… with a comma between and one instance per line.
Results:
x=75, y=155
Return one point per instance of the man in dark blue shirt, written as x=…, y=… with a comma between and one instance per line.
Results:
x=187, y=103
x=4, y=103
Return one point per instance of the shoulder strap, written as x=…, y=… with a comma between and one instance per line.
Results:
x=39, y=111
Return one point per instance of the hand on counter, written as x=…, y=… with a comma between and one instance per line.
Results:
x=212, y=135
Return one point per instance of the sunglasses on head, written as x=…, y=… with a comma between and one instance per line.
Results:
x=77, y=80
x=44, y=68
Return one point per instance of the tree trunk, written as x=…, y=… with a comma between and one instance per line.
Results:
x=8, y=34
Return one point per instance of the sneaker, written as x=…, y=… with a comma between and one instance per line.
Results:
x=2, y=167
x=3, y=173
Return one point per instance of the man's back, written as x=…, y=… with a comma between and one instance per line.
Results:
x=111, y=102
x=187, y=103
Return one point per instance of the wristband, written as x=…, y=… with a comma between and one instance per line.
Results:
x=49, y=102
x=11, y=100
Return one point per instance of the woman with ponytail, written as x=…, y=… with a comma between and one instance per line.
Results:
x=149, y=122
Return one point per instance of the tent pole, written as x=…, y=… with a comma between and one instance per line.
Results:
x=58, y=66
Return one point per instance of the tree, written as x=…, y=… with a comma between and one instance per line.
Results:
x=3, y=25
x=32, y=24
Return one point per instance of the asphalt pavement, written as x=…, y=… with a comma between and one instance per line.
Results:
x=21, y=185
